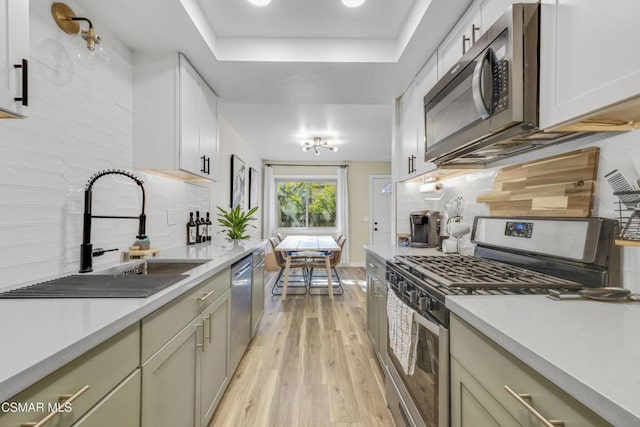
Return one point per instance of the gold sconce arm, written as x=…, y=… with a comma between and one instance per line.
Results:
x=69, y=23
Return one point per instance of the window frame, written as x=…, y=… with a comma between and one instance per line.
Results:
x=306, y=230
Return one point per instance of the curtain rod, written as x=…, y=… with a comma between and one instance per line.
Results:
x=294, y=164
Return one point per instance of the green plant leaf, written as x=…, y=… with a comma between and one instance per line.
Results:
x=235, y=222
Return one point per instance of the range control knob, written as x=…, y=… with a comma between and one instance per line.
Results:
x=413, y=297
x=402, y=285
x=422, y=303
x=433, y=304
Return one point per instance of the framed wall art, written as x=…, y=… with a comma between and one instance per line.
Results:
x=238, y=173
x=254, y=190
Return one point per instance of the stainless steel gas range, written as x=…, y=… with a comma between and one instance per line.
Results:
x=513, y=256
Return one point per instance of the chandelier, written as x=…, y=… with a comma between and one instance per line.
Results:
x=316, y=145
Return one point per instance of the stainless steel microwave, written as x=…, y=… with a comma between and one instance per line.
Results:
x=486, y=107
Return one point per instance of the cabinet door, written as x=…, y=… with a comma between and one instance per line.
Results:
x=171, y=381
x=491, y=10
x=588, y=58
x=427, y=79
x=409, y=105
x=372, y=311
x=214, y=355
x=190, y=106
x=14, y=47
x=209, y=131
x=119, y=408
x=472, y=405
x=452, y=49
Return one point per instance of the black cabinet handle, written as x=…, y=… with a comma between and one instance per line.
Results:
x=409, y=165
x=413, y=164
x=25, y=82
x=204, y=164
x=474, y=30
x=465, y=39
x=208, y=165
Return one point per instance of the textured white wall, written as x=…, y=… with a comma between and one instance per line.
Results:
x=80, y=122
x=617, y=151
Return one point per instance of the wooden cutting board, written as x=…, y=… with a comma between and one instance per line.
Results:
x=558, y=186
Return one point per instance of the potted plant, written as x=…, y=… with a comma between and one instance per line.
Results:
x=235, y=222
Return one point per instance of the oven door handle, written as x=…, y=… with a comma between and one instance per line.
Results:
x=433, y=327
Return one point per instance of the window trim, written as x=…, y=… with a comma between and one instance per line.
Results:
x=307, y=230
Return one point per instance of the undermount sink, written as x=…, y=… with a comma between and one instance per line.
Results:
x=138, y=281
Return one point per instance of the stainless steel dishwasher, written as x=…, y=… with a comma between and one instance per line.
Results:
x=240, y=310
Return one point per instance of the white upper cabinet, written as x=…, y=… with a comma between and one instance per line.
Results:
x=427, y=79
x=491, y=10
x=588, y=58
x=408, y=132
x=175, y=127
x=14, y=56
x=411, y=123
x=460, y=39
x=473, y=24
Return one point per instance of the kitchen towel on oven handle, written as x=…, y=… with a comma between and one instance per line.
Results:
x=403, y=332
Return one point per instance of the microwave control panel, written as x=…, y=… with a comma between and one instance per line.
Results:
x=519, y=229
x=501, y=86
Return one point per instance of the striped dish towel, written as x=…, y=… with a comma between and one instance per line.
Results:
x=403, y=332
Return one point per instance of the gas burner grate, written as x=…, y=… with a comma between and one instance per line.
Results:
x=474, y=273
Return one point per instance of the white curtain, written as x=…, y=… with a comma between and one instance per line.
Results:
x=269, y=203
x=343, y=211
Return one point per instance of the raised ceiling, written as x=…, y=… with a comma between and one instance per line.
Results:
x=307, y=19
x=294, y=61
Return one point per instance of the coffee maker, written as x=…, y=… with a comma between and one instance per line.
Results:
x=424, y=228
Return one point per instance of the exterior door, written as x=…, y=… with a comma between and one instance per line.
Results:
x=380, y=215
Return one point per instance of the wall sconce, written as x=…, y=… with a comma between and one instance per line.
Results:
x=68, y=22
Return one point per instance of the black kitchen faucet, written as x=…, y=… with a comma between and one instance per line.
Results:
x=86, y=249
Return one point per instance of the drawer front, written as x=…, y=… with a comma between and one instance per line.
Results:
x=495, y=368
x=376, y=267
x=163, y=324
x=101, y=368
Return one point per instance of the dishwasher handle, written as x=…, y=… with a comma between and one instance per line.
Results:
x=238, y=274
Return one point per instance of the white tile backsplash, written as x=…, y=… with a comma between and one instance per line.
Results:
x=617, y=151
x=80, y=122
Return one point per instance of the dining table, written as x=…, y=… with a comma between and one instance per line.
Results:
x=315, y=246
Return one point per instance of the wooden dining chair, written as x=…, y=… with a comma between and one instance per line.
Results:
x=319, y=263
x=294, y=279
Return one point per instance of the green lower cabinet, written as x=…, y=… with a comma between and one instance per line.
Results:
x=491, y=387
x=170, y=380
x=472, y=405
x=183, y=382
x=119, y=408
x=214, y=356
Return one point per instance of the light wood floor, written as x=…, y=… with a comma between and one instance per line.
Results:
x=311, y=363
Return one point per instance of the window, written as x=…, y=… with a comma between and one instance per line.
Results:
x=306, y=203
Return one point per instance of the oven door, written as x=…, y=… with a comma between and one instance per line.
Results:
x=459, y=110
x=425, y=394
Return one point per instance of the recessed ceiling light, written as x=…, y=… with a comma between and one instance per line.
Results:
x=261, y=2
x=353, y=3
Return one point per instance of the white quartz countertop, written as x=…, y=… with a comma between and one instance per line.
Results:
x=42, y=335
x=589, y=349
